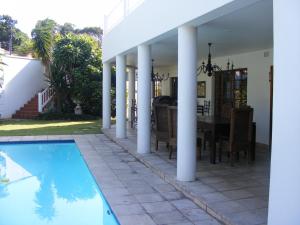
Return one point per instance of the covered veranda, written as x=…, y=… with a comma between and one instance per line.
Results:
x=233, y=195
x=248, y=40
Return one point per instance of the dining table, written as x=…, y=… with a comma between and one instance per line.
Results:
x=216, y=125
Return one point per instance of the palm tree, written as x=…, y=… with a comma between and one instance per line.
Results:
x=43, y=35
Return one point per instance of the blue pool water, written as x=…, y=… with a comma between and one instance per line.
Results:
x=48, y=183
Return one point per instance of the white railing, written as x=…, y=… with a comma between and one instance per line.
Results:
x=44, y=98
x=119, y=12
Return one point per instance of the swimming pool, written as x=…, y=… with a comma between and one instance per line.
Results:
x=49, y=183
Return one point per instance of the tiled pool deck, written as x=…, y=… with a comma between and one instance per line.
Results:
x=137, y=195
x=234, y=195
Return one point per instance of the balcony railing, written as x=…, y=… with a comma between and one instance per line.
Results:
x=119, y=12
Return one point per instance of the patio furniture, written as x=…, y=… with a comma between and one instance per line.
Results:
x=161, y=128
x=218, y=126
x=206, y=107
x=203, y=133
x=172, y=125
x=240, y=138
x=226, y=110
x=164, y=99
x=212, y=124
x=200, y=109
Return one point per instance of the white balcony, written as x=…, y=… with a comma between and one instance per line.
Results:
x=122, y=9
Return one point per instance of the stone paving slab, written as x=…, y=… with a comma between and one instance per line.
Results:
x=224, y=192
x=135, y=193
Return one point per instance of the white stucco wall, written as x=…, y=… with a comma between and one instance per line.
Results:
x=155, y=18
x=23, y=78
x=258, y=64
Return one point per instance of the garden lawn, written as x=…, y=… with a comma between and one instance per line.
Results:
x=48, y=127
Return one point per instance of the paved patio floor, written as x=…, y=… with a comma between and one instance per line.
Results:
x=135, y=193
x=234, y=195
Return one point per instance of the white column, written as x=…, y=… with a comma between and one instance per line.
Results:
x=121, y=97
x=284, y=198
x=106, y=86
x=144, y=99
x=187, y=102
x=131, y=90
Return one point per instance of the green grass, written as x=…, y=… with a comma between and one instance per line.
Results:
x=44, y=127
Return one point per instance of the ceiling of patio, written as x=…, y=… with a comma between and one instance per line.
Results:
x=248, y=29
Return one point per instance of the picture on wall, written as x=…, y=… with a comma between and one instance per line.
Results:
x=201, y=89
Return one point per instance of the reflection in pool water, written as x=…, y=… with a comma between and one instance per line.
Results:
x=49, y=183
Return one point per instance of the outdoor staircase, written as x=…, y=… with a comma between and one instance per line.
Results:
x=29, y=110
x=35, y=105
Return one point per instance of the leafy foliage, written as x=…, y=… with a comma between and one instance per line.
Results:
x=20, y=41
x=76, y=73
x=25, y=48
x=42, y=36
x=7, y=27
x=66, y=28
x=95, y=32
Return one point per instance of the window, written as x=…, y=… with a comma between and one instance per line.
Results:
x=157, y=88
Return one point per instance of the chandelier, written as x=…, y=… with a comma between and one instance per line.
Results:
x=156, y=77
x=209, y=69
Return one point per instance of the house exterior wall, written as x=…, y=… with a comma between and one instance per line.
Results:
x=23, y=78
x=258, y=64
x=155, y=19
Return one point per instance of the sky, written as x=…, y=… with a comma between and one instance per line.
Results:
x=81, y=13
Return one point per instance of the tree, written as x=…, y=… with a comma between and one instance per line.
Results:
x=66, y=28
x=43, y=36
x=23, y=44
x=7, y=29
x=95, y=32
x=77, y=73
x=25, y=48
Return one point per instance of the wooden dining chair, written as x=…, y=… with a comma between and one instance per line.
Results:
x=226, y=110
x=172, y=124
x=240, y=136
x=161, y=129
x=206, y=107
x=200, y=109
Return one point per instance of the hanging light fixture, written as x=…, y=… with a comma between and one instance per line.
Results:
x=158, y=77
x=209, y=68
